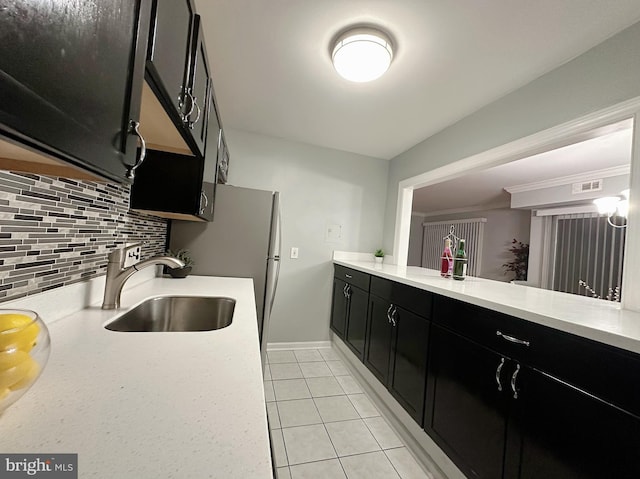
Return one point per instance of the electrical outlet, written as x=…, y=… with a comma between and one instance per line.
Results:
x=133, y=256
x=294, y=253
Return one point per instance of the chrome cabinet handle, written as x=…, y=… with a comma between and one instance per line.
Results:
x=348, y=276
x=344, y=290
x=181, y=98
x=514, y=378
x=394, y=316
x=389, y=313
x=134, y=129
x=203, y=196
x=511, y=339
x=498, y=372
x=348, y=292
x=192, y=123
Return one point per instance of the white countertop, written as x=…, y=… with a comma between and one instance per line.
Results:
x=150, y=405
x=602, y=321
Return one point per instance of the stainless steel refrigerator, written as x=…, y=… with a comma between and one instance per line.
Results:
x=242, y=241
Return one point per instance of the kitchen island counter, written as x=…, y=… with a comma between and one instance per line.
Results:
x=142, y=405
x=596, y=319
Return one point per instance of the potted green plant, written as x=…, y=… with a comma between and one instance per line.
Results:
x=183, y=255
x=378, y=256
x=520, y=262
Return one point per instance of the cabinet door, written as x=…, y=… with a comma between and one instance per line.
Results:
x=168, y=54
x=168, y=183
x=339, y=308
x=409, y=364
x=357, y=320
x=378, y=350
x=465, y=412
x=560, y=432
x=200, y=88
x=71, y=79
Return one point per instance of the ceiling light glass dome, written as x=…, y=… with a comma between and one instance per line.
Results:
x=362, y=54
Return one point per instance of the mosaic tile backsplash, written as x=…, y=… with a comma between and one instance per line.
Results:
x=57, y=231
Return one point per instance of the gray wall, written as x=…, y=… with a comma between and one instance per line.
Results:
x=502, y=226
x=605, y=75
x=319, y=187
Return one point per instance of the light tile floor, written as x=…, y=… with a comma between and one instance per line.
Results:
x=323, y=425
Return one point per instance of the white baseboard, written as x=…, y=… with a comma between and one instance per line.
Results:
x=423, y=448
x=299, y=345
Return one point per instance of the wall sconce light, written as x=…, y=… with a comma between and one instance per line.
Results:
x=614, y=206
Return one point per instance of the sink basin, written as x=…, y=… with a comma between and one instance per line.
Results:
x=177, y=313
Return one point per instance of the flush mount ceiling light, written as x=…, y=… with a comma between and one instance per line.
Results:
x=362, y=54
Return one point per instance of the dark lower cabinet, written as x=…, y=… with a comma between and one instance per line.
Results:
x=560, y=432
x=466, y=412
x=504, y=398
x=396, y=352
x=357, y=304
x=378, y=352
x=339, y=307
x=407, y=377
x=349, y=307
x=349, y=314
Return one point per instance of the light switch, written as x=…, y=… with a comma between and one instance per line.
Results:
x=294, y=253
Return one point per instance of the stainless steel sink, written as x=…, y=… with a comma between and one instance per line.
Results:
x=177, y=313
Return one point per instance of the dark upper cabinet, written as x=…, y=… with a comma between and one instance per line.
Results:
x=466, y=410
x=173, y=186
x=200, y=89
x=170, y=45
x=71, y=80
x=195, y=117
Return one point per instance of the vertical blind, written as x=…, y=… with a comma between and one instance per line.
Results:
x=588, y=249
x=471, y=230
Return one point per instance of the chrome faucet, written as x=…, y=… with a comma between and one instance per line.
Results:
x=121, y=264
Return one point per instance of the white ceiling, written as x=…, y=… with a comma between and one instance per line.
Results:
x=487, y=187
x=272, y=71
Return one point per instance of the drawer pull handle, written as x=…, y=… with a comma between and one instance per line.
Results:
x=344, y=290
x=394, y=316
x=389, y=313
x=348, y=276
x=348, y=292
x=514, y=378
x=498, y=372
x=511, y=339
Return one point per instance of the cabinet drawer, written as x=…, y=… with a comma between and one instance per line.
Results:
x=607, y=372
x=410, y=298
x=351, y=276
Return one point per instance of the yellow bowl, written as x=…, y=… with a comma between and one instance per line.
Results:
x=24, y=351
